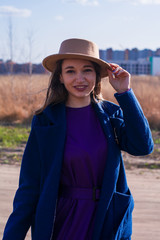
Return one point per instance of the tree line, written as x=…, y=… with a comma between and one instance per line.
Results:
x=10, y=67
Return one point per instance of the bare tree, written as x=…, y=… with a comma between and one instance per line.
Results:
x=10, y=44
x=31, y=40
x=31, y=43
x=10, y=35
x=10, y=47
x=31, y=34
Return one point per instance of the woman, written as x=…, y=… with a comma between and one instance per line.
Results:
x=72, y=181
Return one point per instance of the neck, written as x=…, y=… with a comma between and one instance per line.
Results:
x=78, y=103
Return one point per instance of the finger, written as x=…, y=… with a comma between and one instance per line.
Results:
x=109, y=67
x=110, y=75
x=114, y=66
x=122, y=73
x=117, y=69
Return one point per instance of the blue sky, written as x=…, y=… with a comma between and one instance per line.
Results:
x=118, y=24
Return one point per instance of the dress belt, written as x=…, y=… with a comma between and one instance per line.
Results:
x=79, y=193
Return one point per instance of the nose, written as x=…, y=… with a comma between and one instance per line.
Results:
x=79, y=77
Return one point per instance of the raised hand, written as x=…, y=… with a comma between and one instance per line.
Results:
x=119, y=78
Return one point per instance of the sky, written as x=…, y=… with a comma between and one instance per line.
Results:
x=37, y=27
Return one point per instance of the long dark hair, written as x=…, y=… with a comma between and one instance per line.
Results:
x=57, y=93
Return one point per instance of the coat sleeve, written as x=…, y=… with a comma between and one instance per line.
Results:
x=27, y=195
x=131, y=126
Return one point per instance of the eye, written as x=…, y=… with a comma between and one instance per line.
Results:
x=88, y=70
x=70, y=71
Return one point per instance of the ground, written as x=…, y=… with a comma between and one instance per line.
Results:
x=144, y=185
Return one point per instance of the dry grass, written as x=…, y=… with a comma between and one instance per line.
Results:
x=21, y=95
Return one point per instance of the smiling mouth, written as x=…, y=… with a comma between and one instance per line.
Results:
x=81, y=88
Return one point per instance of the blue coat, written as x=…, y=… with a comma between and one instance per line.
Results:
x=35, y=199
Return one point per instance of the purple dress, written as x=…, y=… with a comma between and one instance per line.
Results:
x=83, y=167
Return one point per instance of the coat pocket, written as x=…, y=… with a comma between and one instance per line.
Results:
x=123, y=207
x=118, y=220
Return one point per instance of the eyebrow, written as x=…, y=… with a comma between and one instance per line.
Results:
x=69, y=67
x=85, y=66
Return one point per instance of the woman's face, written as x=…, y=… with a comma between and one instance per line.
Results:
x=79, y=79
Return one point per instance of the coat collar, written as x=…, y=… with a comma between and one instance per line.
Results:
x=55, y=113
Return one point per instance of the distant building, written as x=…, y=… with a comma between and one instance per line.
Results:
x=134, y=61
x=118, y=54
x=155, y=66
x=102, y=54
x=133, y=54
x=109, y=54
x=126, y=54
x=138, y=67
x=157, y=53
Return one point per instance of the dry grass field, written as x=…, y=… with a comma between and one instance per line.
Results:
x=21, y=95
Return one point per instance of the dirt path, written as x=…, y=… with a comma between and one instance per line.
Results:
x=145, y=187
x=9, y=175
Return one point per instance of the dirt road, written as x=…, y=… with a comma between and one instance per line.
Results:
x=144, y=185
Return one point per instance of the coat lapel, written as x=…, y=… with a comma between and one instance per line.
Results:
x=51, y=138
x=110, y=173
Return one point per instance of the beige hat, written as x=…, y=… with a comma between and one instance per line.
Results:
x=77, y=49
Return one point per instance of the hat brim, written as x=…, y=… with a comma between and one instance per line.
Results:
x=50, y=62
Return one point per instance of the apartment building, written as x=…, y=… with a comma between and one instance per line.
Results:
x=138, y=62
